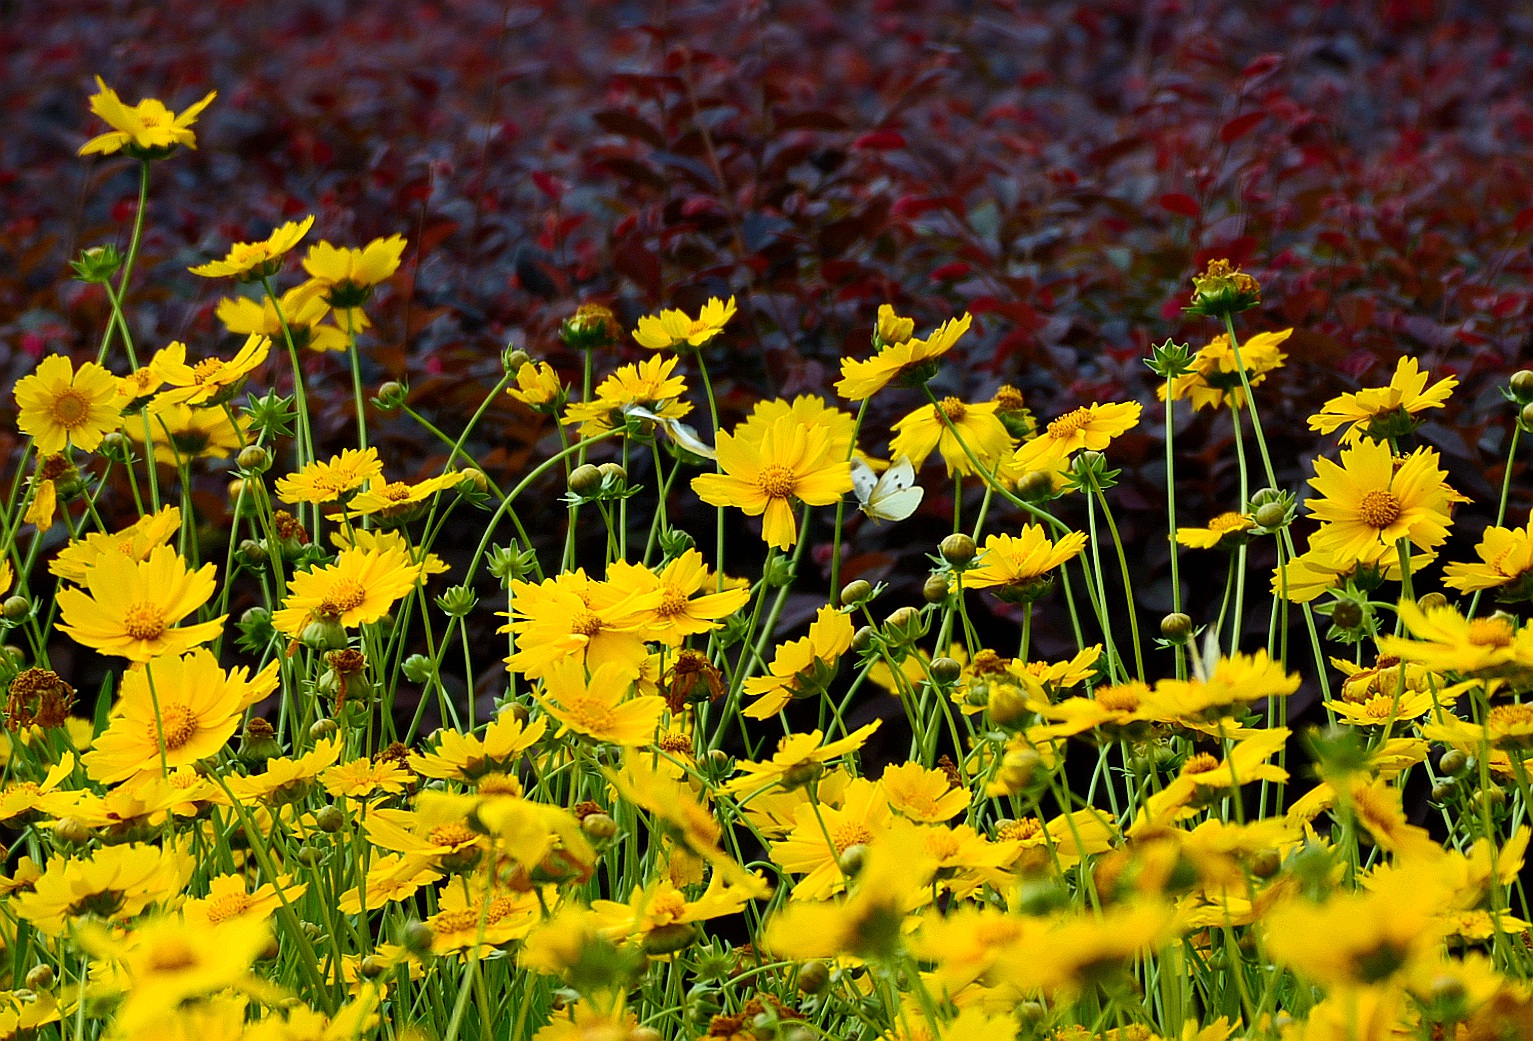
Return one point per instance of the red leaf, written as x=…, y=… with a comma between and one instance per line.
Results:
x=1240, y=126
x=548, y=184
x=881, y=139
x=947, y=272
x=1261, y=65
x=1524, y=219
x=626, y=124
x=1176, y=202
x=642, y=265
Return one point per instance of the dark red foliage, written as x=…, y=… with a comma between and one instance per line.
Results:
x=1059, y=169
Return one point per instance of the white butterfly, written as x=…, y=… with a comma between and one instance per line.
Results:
x=890, y=496
x=681, y=433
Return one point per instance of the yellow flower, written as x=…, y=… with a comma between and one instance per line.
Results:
x=790, y=463
x=922, y=795
x=649, y=385
x=801, y=667
x=562, y=942
x=1384, y=412
x=1017, y=567
x=358, y=589
x=973, y=425
x=396, y=501
x=600, y=707
x=815, y=845
x=322, y=482
x=674, y=330
x=1506, y=564
x=60, y=406
x=303, y=307
x=1381, y=708
x=348, y=275
x=44, y=485
x=147, y=130
x=181, y=433
x=912, y=362
x=799, y=759
x=253, y=261
x=681, y=612
x=211, y=381
x=1118, y=711
x=806, y=410
x=1235, y=682
x=1227, y=531
x=1081, y=949
x=538, y=387
x=467, y=757
x=1507, y=728
x=229, y=899
x=1204, y=777
x=1444, y=641
x=1090, y=427
x=25, y=800
x=1062, y=841
x=135, y=542
x=362, y=777
x=199, y=708
x=114, y=882
x=1215, y=378
x=570, y=615
x=129, y=608
x=285, y=779
x=1373, y=500
x=660, y=918
x=481, y=919
x=391, y=877
x=1312, y=572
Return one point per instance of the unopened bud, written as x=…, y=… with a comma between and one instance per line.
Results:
x=957, y=549
x=855, y=592
x=417, y=937
x=935, y=590
x=585, y=480
x=40, y=977
x=16, y=608
x=1272, y=515
x=946, y=670
x=852, y=860
x=1176, y=627
x=329, y=819
x=1522, y=384
x=613, y=474
x=253, y=458
x=1432, y=602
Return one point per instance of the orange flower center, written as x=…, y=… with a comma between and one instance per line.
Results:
x=1118, y=699
x=1490, y=632
x=672, y=602
x=1381, y=706
x=675, y=743
x=498, y=784
x=585, y=623
x=144, y=620
x=454, y=834
x=954, y=409
x=230, y=905
x=398, y=491
x=449, y=922
x=1227, y=522
x=855, y=833
x=177, y=724
x=172, y=955
x=206, y=370
x=1070, y=423
x=1505, y=717
x=1201, y=763
x=1020, y=830
x=1009, y=399
x=70, y=408
x=248, y=253
x=777, y=481
x=1379, y=509
x=346, y=595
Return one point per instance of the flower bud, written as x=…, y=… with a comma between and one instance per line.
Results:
x=1272, y=515
x=668, y=939
x=1453, y=762
x=329, y=819
x=391, y=395
x=514, y=359
x=253, y=458
x=613, y=474
x=323, y=634
x=812, y=977
x=855, y=592
x=1522, y=385
x=862, y=639
x=852, y=860
x=1443, y=790
x=957, y=549
x=252, y=554
x=116, y=447
x=801, y=774
x=71, y=830
x=308, y=855
x=417, y=668
x=599, y=828
x=779, y=572
x=1176, y=627
x=585, y=480
x=15, y=608
x=40, y=977
x=1007, y=705
x=1432, y=602
x=1036, y=486
x=1526, y=415
x=903, y=625
x=946, y=670
x=372, y=966
x=417, y=937
x=935, y=590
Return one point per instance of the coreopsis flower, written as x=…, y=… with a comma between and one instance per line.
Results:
x=391, y=877
x=660, y=918
x=912, y=362
x=211, y=381
x=131, y=608
x=1090, y=427
x=480, y=919
x=60, y=406
x=1058, y=843
x=1079, y=950
x=288, y=778
x=181, y=433
x=229, y=898
x=650, y=385
x=389, y=541
x=468, y=757
x=1223, y=289
x=538, y=387
x=1118, y=712
x=801, y=667
x=822, y=834
x=791, y=463
x=1017, y=568
x=1384, y=707
x=808, y=410
x=22, y=801
x=681, y=611
x=1316, y=570
x=135, y=542
x=1204, y=777
x=52, y=470
x=1384, y=412
x=799, y=759
x=347, y=276
x=174, y=711
x=303, y=308
x=22, y=1012
x=921, y=795
x=1370, y=936
x=678, y=331
x=253, y=261
x=1234, y=683
x=362, y=778
x=1373, y=499
x=147, y=130
x=358, y=589
x=571, y=615
x=321, y=482
x=1505, y=565
x=974, y=426
x=1215, y=376
x=114, y=882
x=137, y=387
x=397, y=502
x=1494, y=648
x=599, y=707
x=1227, y=531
